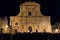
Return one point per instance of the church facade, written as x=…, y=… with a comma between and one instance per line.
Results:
x=30, y=19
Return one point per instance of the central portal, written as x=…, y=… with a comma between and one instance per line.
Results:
x=30, y=29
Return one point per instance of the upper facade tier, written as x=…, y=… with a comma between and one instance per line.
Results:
x=30, y=9
x=30, y=4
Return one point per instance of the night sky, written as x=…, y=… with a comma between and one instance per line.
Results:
x=48, y=8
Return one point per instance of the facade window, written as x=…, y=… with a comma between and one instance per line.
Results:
x=16, y=23
x=22, y=13
x=33, y=9
x=29, y=13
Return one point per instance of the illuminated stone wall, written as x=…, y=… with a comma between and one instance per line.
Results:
x=3, y=25
x=30, y=16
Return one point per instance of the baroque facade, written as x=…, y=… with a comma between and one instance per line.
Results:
x=30, y=19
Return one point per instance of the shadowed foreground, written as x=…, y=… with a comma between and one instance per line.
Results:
x=28, y=36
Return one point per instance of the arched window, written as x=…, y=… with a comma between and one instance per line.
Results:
x=29, y=13
x=16, y=23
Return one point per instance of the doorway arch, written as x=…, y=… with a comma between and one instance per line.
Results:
x=36, y=30
x=30, y=29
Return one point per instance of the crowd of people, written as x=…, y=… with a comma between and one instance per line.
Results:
x=30, y=36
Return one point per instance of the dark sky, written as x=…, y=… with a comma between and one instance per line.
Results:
x=48, y=8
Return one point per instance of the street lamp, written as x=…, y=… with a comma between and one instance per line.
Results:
x=6, y=27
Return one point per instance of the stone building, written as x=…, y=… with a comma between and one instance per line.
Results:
x=30, y=19
x=57, y=27
x=3, y=25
